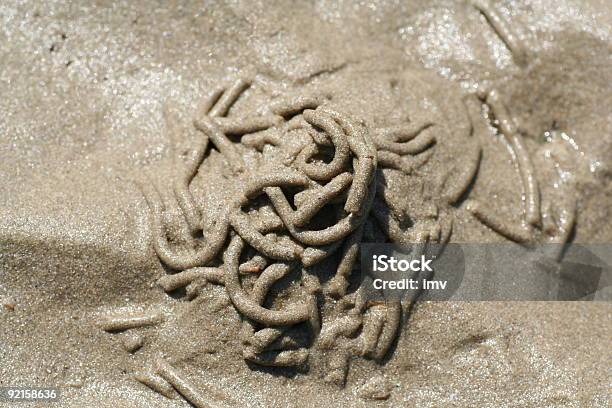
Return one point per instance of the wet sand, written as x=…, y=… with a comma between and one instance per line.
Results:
x=98, y=107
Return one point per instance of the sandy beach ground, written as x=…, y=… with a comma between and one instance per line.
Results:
x=87, y=92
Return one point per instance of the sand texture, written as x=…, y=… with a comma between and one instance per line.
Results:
x=185, y=188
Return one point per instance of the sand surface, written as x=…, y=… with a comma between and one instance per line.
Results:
x=99, y=99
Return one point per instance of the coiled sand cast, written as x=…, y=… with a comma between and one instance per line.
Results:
x=311, y=183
